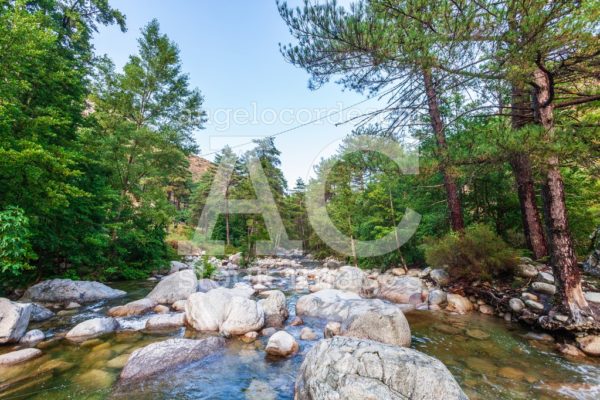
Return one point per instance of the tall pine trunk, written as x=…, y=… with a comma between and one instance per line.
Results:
x=564, y=261
x=454, y=205
x=522, y=115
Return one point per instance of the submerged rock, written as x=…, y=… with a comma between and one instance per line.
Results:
x=32, y=337
x=222, y=310
x=282, y=344
x=18, y=357
x=178, y=286
x=92, y=328
x=14, y=319
x=66, y=291
x=308, y=334
x=385, y=327
x=260, y=390
x=335, y=305
x=163, y=356
x=137, y=307
x=275, y=308
x=355, y=369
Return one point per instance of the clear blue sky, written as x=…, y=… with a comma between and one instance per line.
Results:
x=231, y=51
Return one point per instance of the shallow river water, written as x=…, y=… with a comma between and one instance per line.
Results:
x=490, y=358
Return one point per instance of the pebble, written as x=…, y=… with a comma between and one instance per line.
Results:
x=516, y=305
x=534, y=305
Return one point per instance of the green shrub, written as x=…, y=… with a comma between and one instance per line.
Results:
x=478, y=254
x=15, y=248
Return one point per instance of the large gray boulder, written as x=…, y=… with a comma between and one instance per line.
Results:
x=163, y=356
x=335, y=305
x=66, y=291
x=390, y=327
x=402, y=290
x=224, y=311
x=355, y=369
x=92, y=328
x=14, y=319
x=275, y=308
x=177, y=286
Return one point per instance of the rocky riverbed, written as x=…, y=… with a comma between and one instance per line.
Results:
x=259, y=333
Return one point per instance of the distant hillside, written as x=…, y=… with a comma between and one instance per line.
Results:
x=198, y=166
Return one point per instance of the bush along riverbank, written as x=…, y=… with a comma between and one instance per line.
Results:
x=283, y=317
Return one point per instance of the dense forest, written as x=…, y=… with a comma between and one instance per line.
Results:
x=499, y=100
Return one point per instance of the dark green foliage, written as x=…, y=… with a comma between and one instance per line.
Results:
x=479, y=254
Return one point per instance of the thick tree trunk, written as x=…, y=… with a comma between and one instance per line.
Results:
x=564, y=261
x=522, y=115
x=454, y=205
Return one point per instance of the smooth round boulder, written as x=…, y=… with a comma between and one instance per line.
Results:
x=458, y=304
x=178, y=286
x=92, y=328
x=385, y=327
x=224, y=311
x=282, y=344
x=357, y=369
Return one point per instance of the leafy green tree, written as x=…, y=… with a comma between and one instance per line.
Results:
x=146, y=117
x=15, y=248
